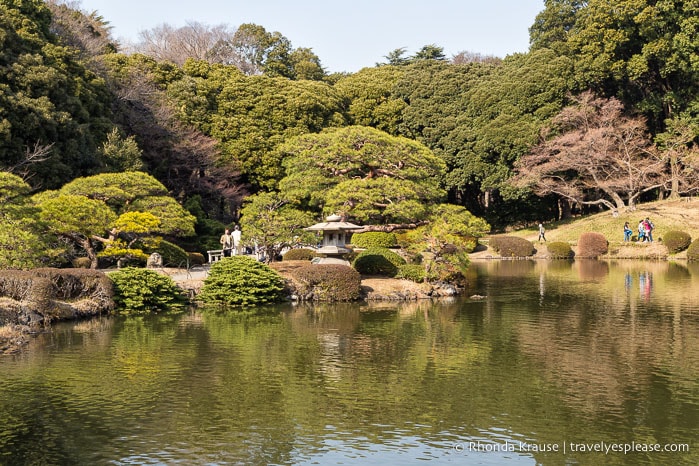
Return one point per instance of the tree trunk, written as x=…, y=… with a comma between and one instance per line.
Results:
x=86, y=244
x=564, y=210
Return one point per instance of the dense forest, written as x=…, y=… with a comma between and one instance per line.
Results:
x=108, y=152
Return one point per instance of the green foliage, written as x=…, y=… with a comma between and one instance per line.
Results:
x=116, y=252
x=143, y=291
x=274, y=223
x=172, y=254
x=299, y=254
x=369, y=93
x=643, y=52
x=21, y=244
x=511, y=246
x=693, y=251
x=241, y=281
x=116, y=189
x=378, y=261
x=327, y=282
x=122, y=154
x=592, y=245
x=412, y=272
x=363, y=174
x=250, y=116
x=51, y=104
x=560, y=250
x=374, y=239
x=137, y=223
x=676, y=241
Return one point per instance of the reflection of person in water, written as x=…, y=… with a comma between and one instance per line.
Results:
x=627, y=281
x=645, y=284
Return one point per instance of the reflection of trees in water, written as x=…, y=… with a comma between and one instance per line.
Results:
x=605, y=352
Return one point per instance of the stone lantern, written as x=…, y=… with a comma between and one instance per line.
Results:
x=336, y=236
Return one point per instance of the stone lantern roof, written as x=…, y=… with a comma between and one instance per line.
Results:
x=336, y=235
x=333, y=223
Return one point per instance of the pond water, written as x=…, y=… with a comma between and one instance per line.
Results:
x=560, y=363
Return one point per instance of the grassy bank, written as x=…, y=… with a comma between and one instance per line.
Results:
x=666, y=215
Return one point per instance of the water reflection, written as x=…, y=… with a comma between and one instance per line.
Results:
x=557, y=352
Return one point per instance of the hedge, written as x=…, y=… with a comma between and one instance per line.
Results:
x=560, y=250
x=413, y=272
x=378, y=261
x=142, y=291
x=299, y=254
x=693, y=251
x=511, y=246
x=327, y=282
x=676, y=241
x=241, y=281
x=374, y=239
x=592, y=245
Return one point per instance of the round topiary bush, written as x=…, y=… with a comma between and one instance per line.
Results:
x=693, y=251
x=81, y=263
x=413, y=272
x=143, y=291
x=676, y=241
x=172, y=254
x=374, y=239
x=511, y=246
x=241, y=281
x=560, y=250
x=299, y=255
x=196, y=258
x=327, y=282
x=378, y=261
x=592, y=245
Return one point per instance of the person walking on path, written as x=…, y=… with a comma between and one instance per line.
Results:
x=542, y=232
x=627, y=232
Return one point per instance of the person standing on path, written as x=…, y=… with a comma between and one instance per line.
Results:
x=542, y=232
x=226, y=243
x=236, y=236
x=648, y=227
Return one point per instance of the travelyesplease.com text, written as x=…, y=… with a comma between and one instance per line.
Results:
x=571, y=447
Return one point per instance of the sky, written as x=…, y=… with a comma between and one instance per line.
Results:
x=347, y=35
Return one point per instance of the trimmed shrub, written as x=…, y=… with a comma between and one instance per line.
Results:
x=512, y=246
x=592, y=244
x=560, y=250
x=327, y=282
x=374, y=239
x=242, y=281
x=693, y=251
x=299, y=254
x=81, y=263
x=413, y=272
x=676, y=241
x=196, y=258
x=143, y=291
x=378, y=261
x=172, y=254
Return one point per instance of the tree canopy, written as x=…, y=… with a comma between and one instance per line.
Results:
x=363, y=174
